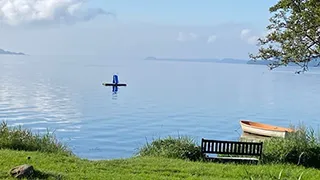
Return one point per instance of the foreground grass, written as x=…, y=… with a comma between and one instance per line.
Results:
x=162, y=159
x=58, y=166
x=17, y=138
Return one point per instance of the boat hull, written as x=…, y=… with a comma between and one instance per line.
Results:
x=264, y=129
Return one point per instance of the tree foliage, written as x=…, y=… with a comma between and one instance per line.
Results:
x=293, y=34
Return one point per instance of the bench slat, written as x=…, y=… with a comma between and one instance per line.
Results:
x=239, y=148
x=231, y=147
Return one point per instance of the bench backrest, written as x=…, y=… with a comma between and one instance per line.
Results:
x=231, y=147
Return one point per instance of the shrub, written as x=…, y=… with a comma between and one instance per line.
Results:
x=301, y=147
x=17, y=138
x=180, y=148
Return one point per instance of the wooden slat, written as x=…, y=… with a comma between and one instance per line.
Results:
x=218, y=146
x=243, y=148
x=222, y=147
x=259, y=149
x=214, y=147
x=228, y=147
x=203, y=145
x=213, y=144
x=253, y=149
x=231, y=147
x=239, y=148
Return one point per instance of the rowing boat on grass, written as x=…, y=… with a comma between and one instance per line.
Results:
x=264, y=129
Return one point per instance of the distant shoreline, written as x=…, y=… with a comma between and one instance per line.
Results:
x=314, y=63
x=225, y=60
x=4, y=52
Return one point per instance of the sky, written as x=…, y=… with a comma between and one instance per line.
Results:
x=139, y=28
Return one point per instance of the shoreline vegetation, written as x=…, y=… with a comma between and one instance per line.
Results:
x=295, y=157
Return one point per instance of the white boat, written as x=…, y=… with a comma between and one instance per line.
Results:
x=264, y=129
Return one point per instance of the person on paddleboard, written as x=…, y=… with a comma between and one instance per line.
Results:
x=115, y=79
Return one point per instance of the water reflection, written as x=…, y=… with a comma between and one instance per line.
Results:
x=114, y=92
x=114, y=89
x=252, y=137
x=38, y=104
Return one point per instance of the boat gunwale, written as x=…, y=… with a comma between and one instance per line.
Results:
x=252, y=124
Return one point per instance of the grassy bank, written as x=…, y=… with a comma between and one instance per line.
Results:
x=17, y=138
x=301, y=147
x=55, y=166
x=168, y=158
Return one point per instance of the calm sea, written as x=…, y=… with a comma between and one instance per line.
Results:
x=64, y=94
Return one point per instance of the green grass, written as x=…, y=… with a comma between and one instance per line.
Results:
x=182, y=147
x=57, y=166
x=167, y=158
x=17, y=138
x=301, y=147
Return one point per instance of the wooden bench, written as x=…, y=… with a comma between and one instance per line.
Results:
x=231, y=148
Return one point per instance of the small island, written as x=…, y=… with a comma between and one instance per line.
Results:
x=150, y=58
x=10, y=53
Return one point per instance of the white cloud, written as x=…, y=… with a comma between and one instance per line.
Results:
x=16, y=12
x=253, y=40
x=249, y=37
x=182, y=36
x=245, y=33
x=212, y=38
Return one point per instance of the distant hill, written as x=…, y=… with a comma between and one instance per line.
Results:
x=313, y=63
x=260, y=62
x=233, y=61
x=226, y=60
x=150, y=58
x=10, y=53
x=181, y=59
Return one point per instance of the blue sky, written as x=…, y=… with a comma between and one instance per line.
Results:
x=176, y=28
x=189, y=12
